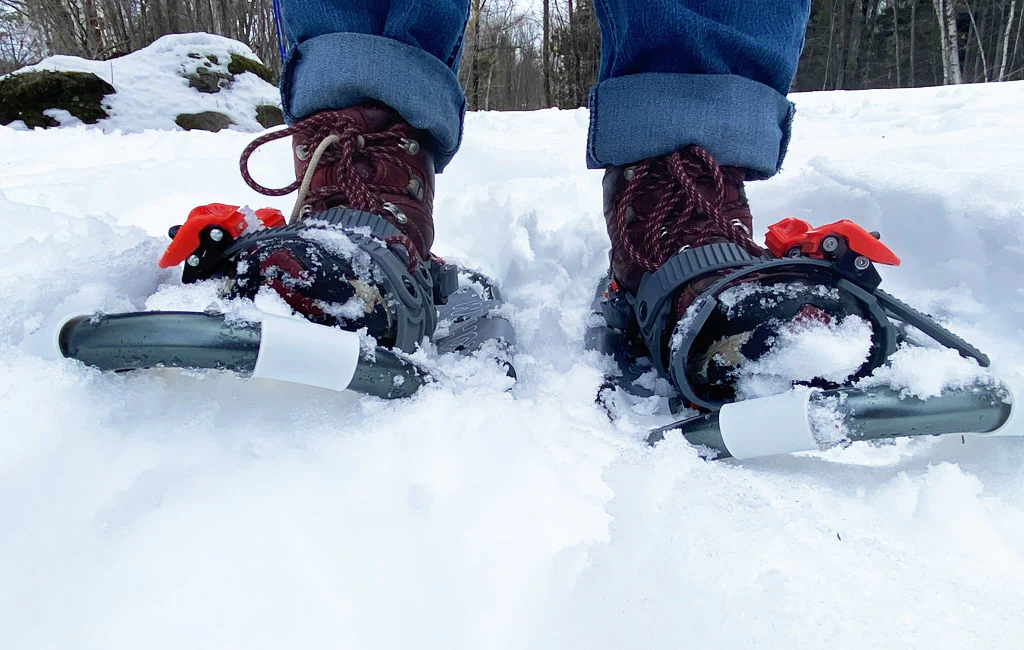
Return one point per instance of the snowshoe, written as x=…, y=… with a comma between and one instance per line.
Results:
x=217, y=241
x=827, y=271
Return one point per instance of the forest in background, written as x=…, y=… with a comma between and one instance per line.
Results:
x=516, y=59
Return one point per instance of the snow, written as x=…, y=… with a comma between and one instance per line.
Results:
x=804, y=351
x=152, y=88
x=172, y=510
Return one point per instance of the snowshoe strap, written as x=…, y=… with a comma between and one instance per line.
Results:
x=652, y=304
x=412, y=289
x=923, y=322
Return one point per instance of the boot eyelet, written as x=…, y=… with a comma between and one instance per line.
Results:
x=629, y=173
x=396, y=213
x=415, y=189
x=742, y=226
x=302, y=152
x=360, y=141
x=410, y=146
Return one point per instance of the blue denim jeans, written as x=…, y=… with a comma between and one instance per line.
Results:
x=673, y=72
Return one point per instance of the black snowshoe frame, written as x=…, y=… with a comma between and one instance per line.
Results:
x=423, y=296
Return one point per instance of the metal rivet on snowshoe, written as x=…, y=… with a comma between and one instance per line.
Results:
x=410, y=146
x=216, y=234
x=642, y=311
x=629, y=173
x=830, y=244
x=306, y=210
x=302, y=152
x=193, y=260
x=393, y=210
x=172, y=231
x=410, y=286
x=861, y=263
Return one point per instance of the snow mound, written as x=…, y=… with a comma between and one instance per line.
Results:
x=153, y=87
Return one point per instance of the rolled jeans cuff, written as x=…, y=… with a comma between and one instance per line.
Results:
x=341, y=70
x=742, y=123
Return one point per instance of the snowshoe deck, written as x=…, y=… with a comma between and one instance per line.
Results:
x=322, y=356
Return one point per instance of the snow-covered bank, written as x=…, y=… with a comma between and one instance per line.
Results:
x=168, y=511
x=156, y=84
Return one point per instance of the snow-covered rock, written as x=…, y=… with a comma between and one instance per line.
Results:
x=178, y=74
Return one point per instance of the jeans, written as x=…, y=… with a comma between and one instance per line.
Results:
x=673, y=72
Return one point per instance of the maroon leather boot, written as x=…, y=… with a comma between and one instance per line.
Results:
x=659, y=208
x=365, y=159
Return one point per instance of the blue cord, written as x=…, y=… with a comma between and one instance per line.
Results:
x=277, y=23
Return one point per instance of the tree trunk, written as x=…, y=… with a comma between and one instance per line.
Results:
x=1006, y=40
x=474, y=68
x=216, y=13
x=913, y=41
x=93, y=29
x=546, y=36
x=1017, y=38
x=945, y=13
x=896, y=37
x=853, y=55
x=981, y=47
x=831, y=39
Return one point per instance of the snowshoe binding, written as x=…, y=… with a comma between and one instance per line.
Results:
x=354, y=259
x=691, y=302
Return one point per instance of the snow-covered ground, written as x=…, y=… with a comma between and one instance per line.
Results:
x=167, y=510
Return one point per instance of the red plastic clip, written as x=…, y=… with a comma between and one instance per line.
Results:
x=228, y=217
x=793, y=236
x=271, y=218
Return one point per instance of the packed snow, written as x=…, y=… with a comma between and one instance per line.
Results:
x=197, y=510
x=153, y=89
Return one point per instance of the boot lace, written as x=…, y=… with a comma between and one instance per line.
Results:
x=339, y=140
x=676, y=222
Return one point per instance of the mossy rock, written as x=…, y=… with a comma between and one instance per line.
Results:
x=240, y=64
x=207, y=81
x=269, y=115
x=26, y=95
x=206, y=121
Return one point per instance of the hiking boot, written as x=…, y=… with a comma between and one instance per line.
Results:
x=363, y=176
x=659, y=208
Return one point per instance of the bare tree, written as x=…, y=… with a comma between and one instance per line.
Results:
x=546, y=35
x=945, y=13
x=981, y=46
x=1006, y=41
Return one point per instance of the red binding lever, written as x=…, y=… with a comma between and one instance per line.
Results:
x=227, y=217
x=793, y=236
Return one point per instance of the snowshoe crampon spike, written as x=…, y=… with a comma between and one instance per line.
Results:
x=283, y=349
x=807, y=419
